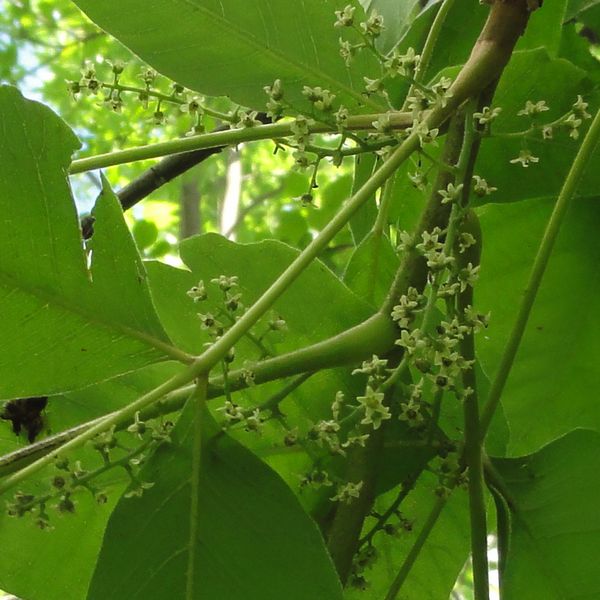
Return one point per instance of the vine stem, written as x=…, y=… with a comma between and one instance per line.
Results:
x=198, y=399
x=227, y=137
x=540, y=263
x=430, y=42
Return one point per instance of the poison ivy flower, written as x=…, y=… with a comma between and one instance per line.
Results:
x=374, y=86
x=398, y=63
x=198, y=292
x=345, y=17
x=375, y=366
x=525, y=159
x=411, y=413
x=274, y=91
x=192, y=105
x=406, y=241
x=247, y=119
x=481, y=186
x=411, y=341
x=573, y=123
x=441, y=90
x=337, y=404
x=373, y=26
x=225, y=283
x=347, y=51
x=419, y=180
x=148, y=76
x=375, y=410
x=348, y=492
x=426, y=135
x=451, y=193
x=341, y=117
x=320, y=98
x=533, y=108
x=383, y=123
x=232, y=412
x=465, y=241
x=430, y=241
x=467, y=276
x=487, y=115
x=317, y=479
x=579, y=108
x=356, y=440
x=254, y=421
x=547, y=132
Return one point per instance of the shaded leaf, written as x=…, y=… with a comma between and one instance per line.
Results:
x=555, y=524
x=556, y=366
x=244, y=511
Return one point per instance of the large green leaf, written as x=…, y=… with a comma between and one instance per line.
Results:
x=551, y=386
x=232, y=48
x=63, y=325
x=254, y=540
x=555, y=523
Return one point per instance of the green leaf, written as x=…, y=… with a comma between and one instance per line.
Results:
x=230, y=48
x=371, y=269
x=254, y=540
x=556, y=367
x=60, y=330
x=555, y=524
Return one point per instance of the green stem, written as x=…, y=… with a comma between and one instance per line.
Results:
x=430, y=42
x=384, y=208
x=229, y=137
x=473, y=458
x=198, y=398
x=540, y=263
